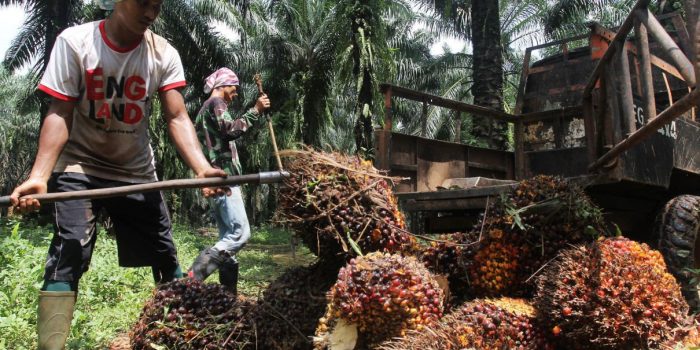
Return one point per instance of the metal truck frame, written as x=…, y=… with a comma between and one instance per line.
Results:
x=617, y=115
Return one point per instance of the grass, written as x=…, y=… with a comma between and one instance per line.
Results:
x=111, y=297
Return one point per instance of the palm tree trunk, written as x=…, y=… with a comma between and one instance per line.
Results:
x=363, y=125
x=488, y=71
x=361, y=17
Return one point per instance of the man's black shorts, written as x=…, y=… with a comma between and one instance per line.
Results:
x=141, y=222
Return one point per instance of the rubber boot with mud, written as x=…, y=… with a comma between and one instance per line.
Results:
x=55, y=315
x=208, y=261
x=228, y=276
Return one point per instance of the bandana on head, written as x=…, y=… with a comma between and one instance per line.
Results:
x=222, y=77
x=107, y=5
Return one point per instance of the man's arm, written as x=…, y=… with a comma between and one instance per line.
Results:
x=52, y=137
x=230, y=128
x=185, y=139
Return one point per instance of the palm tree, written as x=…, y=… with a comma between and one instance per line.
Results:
x=565, y=18
x=45, y=20
x=495, y=28
x=303, y=46
x=32, y=45
x=18, y=132
x=479, y=22
x=364, y=31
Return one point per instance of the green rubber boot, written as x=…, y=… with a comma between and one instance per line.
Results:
x=55, y=315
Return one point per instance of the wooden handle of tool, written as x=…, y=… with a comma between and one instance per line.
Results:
x=258, y=178
x=274, y=144
x=258, y=82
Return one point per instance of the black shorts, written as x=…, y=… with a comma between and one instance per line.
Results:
x=141, y=222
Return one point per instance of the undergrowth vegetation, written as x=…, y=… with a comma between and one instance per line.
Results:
x=110, y=297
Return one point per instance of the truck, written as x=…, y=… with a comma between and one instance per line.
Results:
x=612, y=111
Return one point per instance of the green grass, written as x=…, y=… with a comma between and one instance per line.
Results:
x=111, y=297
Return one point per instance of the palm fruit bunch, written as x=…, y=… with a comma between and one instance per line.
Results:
x=384, y=296
x=451, y=255
x=611, y=294
x=188, y=314
x=332, y=198
x=291, y=306
x=495, y=266
x=482, y=324
x=525, y=229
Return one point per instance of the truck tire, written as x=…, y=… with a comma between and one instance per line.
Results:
x=677, y=227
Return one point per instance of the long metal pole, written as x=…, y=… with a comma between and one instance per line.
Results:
x=259, y=178
x=645, y=71
x=674, y=111
x=692, y=11
x=685, y=67
x=589, y=127
x=611, y=117
x=624, y=84
x=621, y=36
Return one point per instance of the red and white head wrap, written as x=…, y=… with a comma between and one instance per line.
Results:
x=222, y=77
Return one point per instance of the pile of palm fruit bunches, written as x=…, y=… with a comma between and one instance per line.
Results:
x=538, y=271
x=188, y=314
x=518, y=234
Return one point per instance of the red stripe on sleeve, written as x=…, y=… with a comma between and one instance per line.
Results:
x=171, y=86
x=57, y=95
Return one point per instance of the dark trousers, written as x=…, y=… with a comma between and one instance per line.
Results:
x=141, y=221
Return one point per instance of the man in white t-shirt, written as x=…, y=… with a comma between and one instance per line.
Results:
x=102, y=77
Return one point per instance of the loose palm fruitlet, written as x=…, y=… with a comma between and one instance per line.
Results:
x=291, y=306
x=384, y=296
x=486, y=324
x=188, y=314
x=525, y=229
x=611, y=294
x=331, y=196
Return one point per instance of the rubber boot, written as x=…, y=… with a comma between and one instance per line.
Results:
x=208, y=261
x=228, y=276
x=162, y=275
x=55, y=315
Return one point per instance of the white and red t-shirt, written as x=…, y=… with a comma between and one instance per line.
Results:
x=112, y=87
